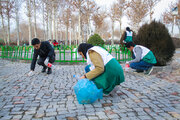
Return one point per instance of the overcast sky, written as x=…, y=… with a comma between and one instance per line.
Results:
x=106, y=4
x=159, y=9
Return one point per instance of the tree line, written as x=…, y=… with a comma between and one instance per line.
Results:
x=72, y=21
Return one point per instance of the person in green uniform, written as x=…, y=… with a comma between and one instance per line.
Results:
x=128, y=35
x=102, y=68
x=143, y=60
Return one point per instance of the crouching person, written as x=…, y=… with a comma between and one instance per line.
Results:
x=46, y=55
x=143, y=60
x=102, y=68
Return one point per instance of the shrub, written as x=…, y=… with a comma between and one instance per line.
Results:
x=156, y=37
x=95, y=40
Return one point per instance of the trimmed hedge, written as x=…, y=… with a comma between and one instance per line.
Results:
x=95, y=40
x=156, y=37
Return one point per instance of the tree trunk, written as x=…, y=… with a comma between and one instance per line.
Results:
x=35, y=27
x=17, y=26
x=50, y=26
x=150, y=14
x=44, y=27
x=66, y=35
x=76, y=40
x=30, y=31
x=53, y=21
x=56, y=29
x=29, y=20
x=172, y=30
x=4, y=32
x=8, y=38
x=120, y=24
x=47, y=26
x=80, y=35
x=70, y=39
x=112, y=42
x=88, y=29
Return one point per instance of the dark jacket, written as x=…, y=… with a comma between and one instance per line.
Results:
x=45, y=50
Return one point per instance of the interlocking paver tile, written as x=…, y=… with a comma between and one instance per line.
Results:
x=51, y=97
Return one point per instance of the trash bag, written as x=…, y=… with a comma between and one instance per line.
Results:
x=87, y=92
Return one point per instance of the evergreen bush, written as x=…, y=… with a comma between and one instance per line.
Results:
x=96, y=40
x=156, y=37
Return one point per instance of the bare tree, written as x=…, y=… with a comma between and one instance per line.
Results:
x=78, y=4
x=98, y=18
x=114, y=16
x=74, y=22
x=29, y=15
x=46, y=13
x=55, y=5
x=136, y=12
x=88, y=9
x=17, y=8
x=50, y=19
x=105, y=30
x=9, y=10
x=151, y=4
x=121, y=7
x=2, y=12
x=42, y=6
x=66, y=19
x=34, y=13
x=170, y=19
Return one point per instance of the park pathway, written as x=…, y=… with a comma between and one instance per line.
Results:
x=51, y=97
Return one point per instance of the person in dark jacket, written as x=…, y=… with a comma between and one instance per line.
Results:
x=46, y=55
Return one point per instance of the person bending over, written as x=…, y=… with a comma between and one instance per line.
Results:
x=46, y=55
x=102, y=68
x=143, y=60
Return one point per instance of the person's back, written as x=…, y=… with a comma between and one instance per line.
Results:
x=128, y=35
x=45, y=49
x=102, y=68
x=143, y=58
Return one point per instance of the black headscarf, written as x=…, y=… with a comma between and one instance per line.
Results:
x=84, y=47
x=128, y=29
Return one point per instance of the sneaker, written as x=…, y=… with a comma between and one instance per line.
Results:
x=44, y=69
x=49, y=71
x=149, y=71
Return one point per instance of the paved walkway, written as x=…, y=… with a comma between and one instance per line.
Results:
x=51, y=97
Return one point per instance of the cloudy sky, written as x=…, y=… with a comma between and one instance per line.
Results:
x=159, y=9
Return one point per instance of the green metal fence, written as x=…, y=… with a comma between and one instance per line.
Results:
x=63, y=53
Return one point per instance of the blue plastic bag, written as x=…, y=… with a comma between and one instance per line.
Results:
x=87, y=92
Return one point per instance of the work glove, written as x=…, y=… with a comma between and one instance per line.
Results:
x=31, y=73
x=46, y=61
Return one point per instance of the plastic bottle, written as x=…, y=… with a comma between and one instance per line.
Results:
x=50, y=65
x=77, y=77
x=127, y=67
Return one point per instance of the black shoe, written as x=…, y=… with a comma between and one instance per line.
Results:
x=49, y=71
x=44, y=69
x=139, y=71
